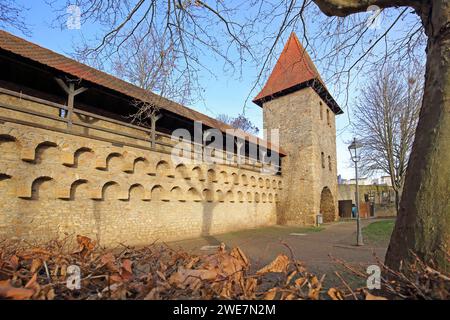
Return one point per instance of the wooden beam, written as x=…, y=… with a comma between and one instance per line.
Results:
x=71, y=93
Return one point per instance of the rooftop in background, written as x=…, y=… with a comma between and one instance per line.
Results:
x=293, y=71
x=65, y=65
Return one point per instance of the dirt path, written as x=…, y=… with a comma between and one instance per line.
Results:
x=313, y=248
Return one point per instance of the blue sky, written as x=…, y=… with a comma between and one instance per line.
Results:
x=224, y=93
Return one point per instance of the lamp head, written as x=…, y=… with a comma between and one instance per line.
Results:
x=353, y=149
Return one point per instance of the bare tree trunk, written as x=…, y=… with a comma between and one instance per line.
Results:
x=397, y=201
x=423, y=223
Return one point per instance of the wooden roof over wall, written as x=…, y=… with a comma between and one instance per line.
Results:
x=61, y=63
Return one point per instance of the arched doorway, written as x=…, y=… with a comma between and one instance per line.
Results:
x=327, y=208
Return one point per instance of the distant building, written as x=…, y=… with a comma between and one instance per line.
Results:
x=385, y=180
x=361, y=181
x=376, y=197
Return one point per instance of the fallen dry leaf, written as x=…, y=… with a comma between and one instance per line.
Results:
x=35, y=265
x=314, y=288
x=335, y=294
x=86, y=245
x=9, y=292
x=280, y=264
x=370, y=296
x=188, y=277
x=14, y=262
x=271, y=294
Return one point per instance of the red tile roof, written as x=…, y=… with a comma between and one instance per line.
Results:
x=79, y=70
x=294, y=67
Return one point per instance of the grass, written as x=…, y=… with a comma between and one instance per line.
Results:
x=379, y=231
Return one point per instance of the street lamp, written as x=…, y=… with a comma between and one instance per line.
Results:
x=353, y=148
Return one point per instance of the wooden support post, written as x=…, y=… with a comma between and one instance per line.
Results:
x=153, y=119
x=71, y=93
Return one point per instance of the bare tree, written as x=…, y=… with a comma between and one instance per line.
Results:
x=11, y=15
x=185, y=32
x=240, y=122
x=385, y=120
x=423, y=224
x=149, y=62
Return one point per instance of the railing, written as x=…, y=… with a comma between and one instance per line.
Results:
x=197, y=149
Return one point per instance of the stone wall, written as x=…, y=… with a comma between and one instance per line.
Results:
x=307, y=130
x=100, y=178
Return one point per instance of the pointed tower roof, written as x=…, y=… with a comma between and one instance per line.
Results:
x=294, y=70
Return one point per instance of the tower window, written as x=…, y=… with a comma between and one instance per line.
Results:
x=329, y=163
x=328, y=117
x=322, y=155
x=321, y=110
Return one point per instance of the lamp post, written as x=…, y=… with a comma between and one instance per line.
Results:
x=353, y=148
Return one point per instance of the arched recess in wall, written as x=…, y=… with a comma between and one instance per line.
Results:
x=7, y=138
x=220, y=195
x=74, y=190
x=264, y=197
x=158, y=193
x=136, y=192
x=4, y=176
x=197, y=174
x=274, y=184
x=82, y=157
x=235, y=178
x=223, y=176
x=252, y=181
x=257, y=197
x=230, y=196
x=211, y=175
x=261, y=182
x=240, y=195
x=182, y=172
x=267, y=183
x=244, y=180
x=177, y=194
x=276, y=197
x=114, y=162
x=194, y=195
x=280, y=186
x=9, y=147
x=4, y=183
x=110, y=190
x=42, y=152
x=327, y=207
x=249, y=197
x=163, y=169
x=140, y=165
x=41, y=187
x=104, y=164
x=270, y=198
x=207, y=195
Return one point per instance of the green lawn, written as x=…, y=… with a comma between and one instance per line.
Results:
x=379, y=231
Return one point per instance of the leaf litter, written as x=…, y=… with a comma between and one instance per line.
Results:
x=158, y=271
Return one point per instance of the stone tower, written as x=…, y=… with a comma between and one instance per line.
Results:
x=296, y=101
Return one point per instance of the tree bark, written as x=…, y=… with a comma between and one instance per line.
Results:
x=423, y=222
x=343, y=8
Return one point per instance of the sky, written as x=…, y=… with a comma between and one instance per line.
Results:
x=224, y=93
